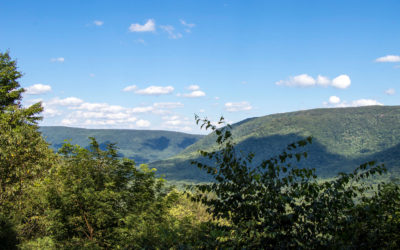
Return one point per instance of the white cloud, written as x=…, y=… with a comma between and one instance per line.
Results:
x=38, y=89
x=58, y=59
x=104, y=115
x=323, y=80
x=390, y=91
x=69, y=101
x=149, y=26
x=195, y=94
x=388, y=58
x=98, y=22
x=143, y=123
x=129, y=88
x=176, y=122
x=237, y=106
x=304, y=80
x=171, y=31
x=155, y=90
x=141, y=109
x=341, y=82
x=334, y=100
x=365, y=102
x=193, y=87
x=50, y=111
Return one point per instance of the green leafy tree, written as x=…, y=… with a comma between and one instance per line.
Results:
x=94, y=199
x=10, y=91
x=278, y=205
x=24, y=155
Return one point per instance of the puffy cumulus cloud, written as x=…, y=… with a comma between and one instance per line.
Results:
x=57, y=59
x=304, y=80
x=143, y=123
x=149, y=26
x=37, y=89
x=390, y=91
x=129, y=88
x=98, y=22
x=155, y=90
x=388, y=58
x=171, y=31
x=237, y=106
x=341, y=82
x=334, y=100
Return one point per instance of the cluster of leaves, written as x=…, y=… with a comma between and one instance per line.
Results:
x=278, y=205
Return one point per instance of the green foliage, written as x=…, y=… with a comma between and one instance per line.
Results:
x=10, y=92
x=279, y=205
x=95, y=199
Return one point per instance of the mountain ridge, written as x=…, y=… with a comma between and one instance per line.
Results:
x=143, y=146
x=343, y=138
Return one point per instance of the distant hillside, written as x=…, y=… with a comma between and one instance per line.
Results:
x=141, y=145
x=343, y=139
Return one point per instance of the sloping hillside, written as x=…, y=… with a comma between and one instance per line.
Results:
x=343, y=138
x=141, y=145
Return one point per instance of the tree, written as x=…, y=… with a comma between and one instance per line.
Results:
x=94, y=199
x=10, y=91
x=24, y=155
x=278, y=205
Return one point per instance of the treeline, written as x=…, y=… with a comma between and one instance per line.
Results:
x=82, y=198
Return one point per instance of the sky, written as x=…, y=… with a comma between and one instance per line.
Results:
x=155, y=64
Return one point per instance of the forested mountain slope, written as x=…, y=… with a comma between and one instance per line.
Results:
x=342, y=139
x=141, y=145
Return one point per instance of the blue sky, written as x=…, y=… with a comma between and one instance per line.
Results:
x=154, y=64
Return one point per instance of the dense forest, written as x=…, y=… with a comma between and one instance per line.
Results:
x=90, y=198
